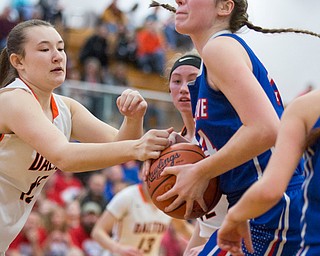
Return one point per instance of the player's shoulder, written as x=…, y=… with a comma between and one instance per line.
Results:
x=129, y=191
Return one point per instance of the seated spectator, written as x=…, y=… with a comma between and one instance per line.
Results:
x=94, y=75
x=51, y=10
x=150, y=48
x=125, y=45
x=118, y=75
x=113, y=17
x=131, y=172
x=114, y=181
x=65, y=187
x=30, y=240
x=6, y=24
x=59, y=243
x=94, y=191
x=90, y=212
x=73, y=213
x=96, y=46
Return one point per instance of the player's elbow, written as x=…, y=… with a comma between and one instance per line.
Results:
x=268, y=135
x=270, y=197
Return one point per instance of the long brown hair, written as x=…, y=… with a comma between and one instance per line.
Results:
x=15, y=44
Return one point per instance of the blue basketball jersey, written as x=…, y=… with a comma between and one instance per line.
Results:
x=218, y=123
x=277, y=232
x=310, y=224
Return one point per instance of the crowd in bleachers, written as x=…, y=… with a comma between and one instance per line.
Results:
x=63, y=217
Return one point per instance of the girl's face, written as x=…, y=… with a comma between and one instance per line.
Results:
x=44, y=63
x=193, y=16
x=180, y=78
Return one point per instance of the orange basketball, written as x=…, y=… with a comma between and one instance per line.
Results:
x=179, y=154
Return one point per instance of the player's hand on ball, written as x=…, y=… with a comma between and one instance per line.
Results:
x=131, y=104
x=152, y=143
x=189, y=187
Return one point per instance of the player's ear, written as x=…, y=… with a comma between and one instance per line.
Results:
x=15, y=61
x=225, y=7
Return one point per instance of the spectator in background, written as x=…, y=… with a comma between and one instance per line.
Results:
x=125, y=45
x=95, y=190
x=7, y=22
x=114, y=181
x=58, y=241
x=113, y=17
x=73, y=213
x=93, y=74
x=80, y=235
x=25, y=8
x=131, y=171
x=97, y=46
x=150, y=48
x=30, y=240
x=118, y=75
x=51, y=10
x=176, y=41
x=63, y=188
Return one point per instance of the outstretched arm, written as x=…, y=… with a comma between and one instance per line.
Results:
x=296, y=124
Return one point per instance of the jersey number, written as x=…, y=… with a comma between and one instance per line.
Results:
x=146, y=244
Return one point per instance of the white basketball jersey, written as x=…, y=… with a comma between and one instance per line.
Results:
x=24, y=172
x=140, y=223
x=212, y=221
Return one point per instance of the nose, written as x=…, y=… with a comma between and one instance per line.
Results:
x=57, y=56
x=184, y=87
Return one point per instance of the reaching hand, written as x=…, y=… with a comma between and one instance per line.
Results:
x=230, y=236
x=152, y=143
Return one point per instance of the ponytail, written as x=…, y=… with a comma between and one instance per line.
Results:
x=7, y=72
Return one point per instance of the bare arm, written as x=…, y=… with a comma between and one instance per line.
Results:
x=296, y=124
x=30, y=124
x=234, y=78
x=101, y=231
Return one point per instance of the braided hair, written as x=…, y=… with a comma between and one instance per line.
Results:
x=239, y=18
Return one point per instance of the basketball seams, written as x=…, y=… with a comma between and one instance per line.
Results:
x=184, y=150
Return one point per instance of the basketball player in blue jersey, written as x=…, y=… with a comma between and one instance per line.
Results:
x=183, y=71
x=237, y=109
x=298, y=135
x=37, y=125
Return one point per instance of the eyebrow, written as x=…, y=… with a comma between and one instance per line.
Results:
x=47, y=42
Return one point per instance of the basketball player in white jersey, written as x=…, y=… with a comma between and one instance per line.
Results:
x=36, y=125
x=136, y=224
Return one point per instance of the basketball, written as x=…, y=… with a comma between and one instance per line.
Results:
x=179, y=154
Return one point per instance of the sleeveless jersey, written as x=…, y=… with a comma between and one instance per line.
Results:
x=217, y=121
x=23, y=171
x=140, y=224
x=310, y=225
x=277, y=232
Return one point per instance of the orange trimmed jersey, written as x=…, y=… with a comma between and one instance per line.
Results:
x=23, y=171
x=139, y=223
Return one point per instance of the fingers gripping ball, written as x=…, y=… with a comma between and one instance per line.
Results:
x=179, y=154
